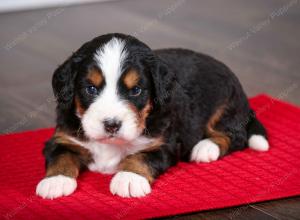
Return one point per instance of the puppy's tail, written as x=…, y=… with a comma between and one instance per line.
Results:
x=257, y=135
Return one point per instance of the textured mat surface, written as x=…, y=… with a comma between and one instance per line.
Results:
x=240, y=178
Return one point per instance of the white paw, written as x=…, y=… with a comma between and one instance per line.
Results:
x=258, y=142
x=128, y=184
x=205, y=151
x=56, y=186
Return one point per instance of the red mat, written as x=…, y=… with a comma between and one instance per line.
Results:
x=240, y=178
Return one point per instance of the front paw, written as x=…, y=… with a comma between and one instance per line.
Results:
x=128, y=184
x=56, y=186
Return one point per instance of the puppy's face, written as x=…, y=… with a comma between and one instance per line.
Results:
x=109, y=87
x=112, y=94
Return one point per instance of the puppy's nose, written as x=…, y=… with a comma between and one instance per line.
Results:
x=112, y=126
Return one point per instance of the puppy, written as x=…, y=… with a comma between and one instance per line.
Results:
x=127, y=110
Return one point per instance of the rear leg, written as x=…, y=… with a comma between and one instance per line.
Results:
x=224, y=133
x=257, y=135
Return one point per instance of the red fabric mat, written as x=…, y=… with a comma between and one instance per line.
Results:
x=240, y=178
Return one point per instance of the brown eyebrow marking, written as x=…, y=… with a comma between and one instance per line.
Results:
x=131, y=79
x=95, y=76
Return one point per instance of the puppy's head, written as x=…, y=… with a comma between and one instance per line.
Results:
x=111, y=84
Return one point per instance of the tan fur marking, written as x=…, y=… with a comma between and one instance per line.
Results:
x=142, y=114
x=95, y=76
x=136, y=164
x=218, y=137
x=154, y=145
x=82, y=153
x=66, y=164
x=78, y=106
x=131, y=79
x=61, y=137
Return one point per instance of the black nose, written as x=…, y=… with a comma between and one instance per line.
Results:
x=112, y=125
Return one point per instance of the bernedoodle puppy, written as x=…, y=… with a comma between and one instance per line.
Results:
x=127, y=110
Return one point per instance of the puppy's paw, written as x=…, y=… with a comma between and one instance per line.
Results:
x=205, y=151
x=56, y=186
x=258, y=142
x=128, y=184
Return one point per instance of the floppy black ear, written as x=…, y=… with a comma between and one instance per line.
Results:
x=64, y=77
x=164, y=80
x=63, y=83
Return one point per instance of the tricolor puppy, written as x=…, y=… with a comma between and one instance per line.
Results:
x=127, y=110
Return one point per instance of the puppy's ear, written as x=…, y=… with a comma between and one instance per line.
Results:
x=63, y=83
x=163, y=79
x=64, y=77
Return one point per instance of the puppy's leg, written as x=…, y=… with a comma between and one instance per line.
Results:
x=224, y=133
x=63, y=163
x=208, y=150
x=138, y=171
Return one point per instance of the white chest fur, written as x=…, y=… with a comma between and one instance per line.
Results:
x=106, y=157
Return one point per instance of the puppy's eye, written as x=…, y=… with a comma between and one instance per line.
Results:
x=135, y=91
x=91, y=90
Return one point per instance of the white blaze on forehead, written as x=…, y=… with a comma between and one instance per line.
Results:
x=110, y=59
